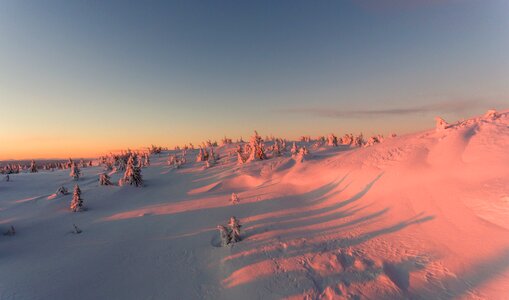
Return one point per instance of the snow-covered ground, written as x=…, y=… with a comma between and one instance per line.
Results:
x=422, y=216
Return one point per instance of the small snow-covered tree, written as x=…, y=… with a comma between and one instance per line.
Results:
x=202, y=155
x=77, y=202
x=234, y=198
x=294, y=149
x=62, y=190
x=302, y=154
x=76, y=229
x=234, y=226
x=147, y=159
x=104, y=179
x=33, y=167
x=132, y=175
x=224, y=233
x=332, y=140
x=441, y=124
x=75, y=171
x=11, y=231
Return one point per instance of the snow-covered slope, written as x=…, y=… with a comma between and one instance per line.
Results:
x=423, y=216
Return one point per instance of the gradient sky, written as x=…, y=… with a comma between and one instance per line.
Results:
x=81, y=78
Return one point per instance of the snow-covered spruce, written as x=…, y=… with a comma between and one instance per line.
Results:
x=75, y=171
x=224, y=233
x=234, y=227
x=132, y=175
x=33, y=167
x=77, y=202
x=104, y=179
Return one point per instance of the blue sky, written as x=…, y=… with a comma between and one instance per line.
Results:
x=94, y=76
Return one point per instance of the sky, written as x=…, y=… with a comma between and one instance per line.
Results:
x=82, y=78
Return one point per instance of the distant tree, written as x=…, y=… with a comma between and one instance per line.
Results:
x=75, y=171
x=147, y=159
x=294, y=150
x=132, y=175
x=104, y=179
x=77, y=202
x=33, y=167
x=441, y=124
x=332, y=140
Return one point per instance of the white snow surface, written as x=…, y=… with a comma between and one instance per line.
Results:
x=421, y=216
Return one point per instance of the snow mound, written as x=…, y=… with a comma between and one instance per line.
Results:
x=421, y=216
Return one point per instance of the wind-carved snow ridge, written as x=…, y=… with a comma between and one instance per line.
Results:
x=420, y=216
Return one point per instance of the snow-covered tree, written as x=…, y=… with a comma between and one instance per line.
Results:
x=62, y=190
x=224, y=233
x=491, y=115
x=234, y=227
x=332, y=140
x=132, y=175
x=234, y=198
x=372, y=141
x=33, y=167
x=75, y=171
x=203, y=155
x=147, y=159
x=441, y=124
x=77, y=202
x=104, y=179
x=359, y=140
x=302, y=154
x=294, y=150
x=11, y=231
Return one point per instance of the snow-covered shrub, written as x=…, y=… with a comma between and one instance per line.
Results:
x=491, y=114
x=234, y=198
x=76, y=229
x=372, y=141
x=226, y=141
x=11, y=231
x=62, y=190
x=155, y=149
x=294, y=149
x=441, y=124
x=224, y=233
x=77, y=202
x=234, y=227
x=104, y=179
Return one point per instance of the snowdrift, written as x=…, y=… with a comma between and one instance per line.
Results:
x=422, y=216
